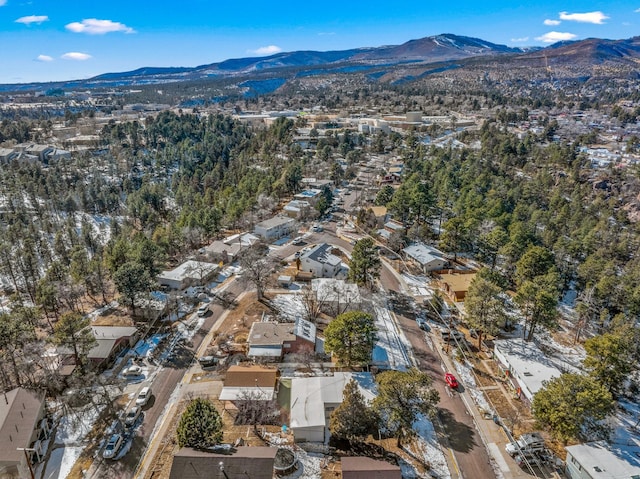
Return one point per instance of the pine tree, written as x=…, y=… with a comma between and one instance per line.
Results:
x=353, y=419
x=351, y=337
x=200, y=426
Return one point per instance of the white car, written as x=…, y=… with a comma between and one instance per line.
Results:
x=132, y=371
x=112, y=447
x=132, y=416
x=143, y=396
x=203, y=310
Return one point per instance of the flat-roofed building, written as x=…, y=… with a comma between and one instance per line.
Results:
x=275, y=228
x=189, y=273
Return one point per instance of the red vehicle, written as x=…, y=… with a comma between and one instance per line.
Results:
x=451, y=380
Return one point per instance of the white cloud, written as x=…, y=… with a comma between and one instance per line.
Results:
x=548, y=21
x=44, y=58
x=28, y=20
x=268, y=50
x=553, y=37
x=326, y=33
x=637, y=10
x=3, y=3
x=520, y=40
x=93, y=26
x=76, y=56
x=597, y=18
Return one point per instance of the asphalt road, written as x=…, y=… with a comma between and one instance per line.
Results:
x=458, y=431
x=457, y=425
x=164, y=384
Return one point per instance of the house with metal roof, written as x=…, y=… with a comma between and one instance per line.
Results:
x=427, y=257
x=314, y=398
x=320, y=261
x=21, y=426
x=525, y=364
x=601, y=460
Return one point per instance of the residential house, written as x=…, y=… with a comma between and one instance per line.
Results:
x=456, y=283
x=319, y=261
x=311, y=196
x=34, y=149
x=360, y=467
x=269, y=340
x=110, y=341
x=296, y=208
x=189, y=273
x=428, y=257
x=255, y=462
x=230, y=247
x=275, y=228
x=601, y=460
x=250, y=381
x=7, y=154
x=393, y=226
x=21, y=426
x=314, y=398
x=525, y=365
x=336, y=296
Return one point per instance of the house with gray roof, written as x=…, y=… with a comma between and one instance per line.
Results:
x=427, y=257
x=320, y=261
x=601, y=460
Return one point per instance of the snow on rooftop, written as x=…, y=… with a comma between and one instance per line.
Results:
x=527, y=363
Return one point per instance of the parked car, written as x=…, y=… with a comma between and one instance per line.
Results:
x=143, y=396
x=527, y=443
x=451, y=335
x=132, y=416
x=451, y=380
x=422, y=324
x=298, y=241
x=318, y=228
x=210, y=361
x=112, y=447
x=203, y=310
x=132, y=370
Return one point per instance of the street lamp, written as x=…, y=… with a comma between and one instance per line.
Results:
x=26, y=456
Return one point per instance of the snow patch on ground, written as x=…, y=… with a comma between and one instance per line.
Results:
x=465, y=374
x=309, y=465
x=291, y=306
x=428, y=447
x=71, y=433
x=418, y=285
x=392, y=348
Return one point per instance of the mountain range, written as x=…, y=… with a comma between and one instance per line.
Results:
x=443, y=50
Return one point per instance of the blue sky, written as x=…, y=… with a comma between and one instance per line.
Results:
x=48, y=40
